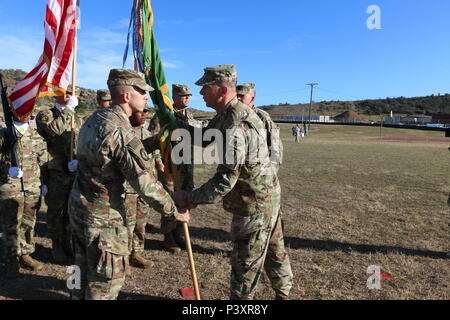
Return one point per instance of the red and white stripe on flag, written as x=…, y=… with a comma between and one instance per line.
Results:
x=52, y=74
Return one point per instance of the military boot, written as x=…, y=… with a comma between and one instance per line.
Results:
x=59, y=255
x=26, y=261
x=138, y=261
x=170, y=244
x=12, y=268
x=178, y=236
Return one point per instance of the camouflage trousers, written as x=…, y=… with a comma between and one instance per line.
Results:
x=258, y=250
x=135, y=204
x=18, y=214
x=103, y=258
x=59, y=186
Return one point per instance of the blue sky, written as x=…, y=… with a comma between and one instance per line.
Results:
x=279, y=45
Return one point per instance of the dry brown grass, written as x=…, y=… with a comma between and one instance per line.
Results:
x=349, y=202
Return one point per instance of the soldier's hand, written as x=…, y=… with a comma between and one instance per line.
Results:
x=15, y=173
x=72, y=103
x=184, y=215
x=73, y=165
x=160, y=167
x=44, y=190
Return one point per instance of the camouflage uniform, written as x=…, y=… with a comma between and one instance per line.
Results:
x=251, y=193
x=18, y=207
x=135, y=203
x=55, y=126
x=185, y=181
x=273, y=138
x=109, y=152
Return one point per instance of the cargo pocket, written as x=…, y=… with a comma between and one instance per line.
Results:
x=243, y=226
x=113, y=262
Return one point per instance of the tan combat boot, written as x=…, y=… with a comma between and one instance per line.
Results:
x=26, y=261
x=12, y=268
x=138, y=261
x=170, y=244
x=59, y=255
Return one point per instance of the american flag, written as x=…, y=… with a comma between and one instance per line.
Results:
x=52, y=74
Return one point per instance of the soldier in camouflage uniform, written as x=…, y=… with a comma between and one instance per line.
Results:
x=250, y=188
x=181, y=94
x=246, y=93
x=103, y=99
x=132, y=200
x=20, y=191
x=55, y=126
x=110, y=152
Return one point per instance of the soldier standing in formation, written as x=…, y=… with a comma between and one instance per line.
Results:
x=132, y=200
x=20, y=192
x=55, y=126
x=174, y=241
x=110, y=152
x=250, y=189
x=246, y=93
x=103, y=99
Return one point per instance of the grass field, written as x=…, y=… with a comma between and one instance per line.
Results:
x=349, y=200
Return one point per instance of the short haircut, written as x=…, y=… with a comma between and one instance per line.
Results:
x=117, y=91
x=228, y=82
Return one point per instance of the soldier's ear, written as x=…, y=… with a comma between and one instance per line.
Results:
x=126, y=96
x=223, y=90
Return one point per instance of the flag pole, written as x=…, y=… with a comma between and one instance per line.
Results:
x=74, y=76
x=187, y=240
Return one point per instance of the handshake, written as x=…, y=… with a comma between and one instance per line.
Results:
x=183, y=206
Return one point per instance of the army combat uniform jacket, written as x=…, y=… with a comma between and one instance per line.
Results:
x=274, y=142
x=135, y=203
x=251, y=192
x=109, y=152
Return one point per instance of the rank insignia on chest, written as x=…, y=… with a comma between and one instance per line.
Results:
x=144, y=154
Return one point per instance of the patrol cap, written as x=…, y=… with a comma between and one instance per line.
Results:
x=147, y=108
x=103, y=95
x=127, y=77
x=245, y=88
x=180, y=90
x=218, y=73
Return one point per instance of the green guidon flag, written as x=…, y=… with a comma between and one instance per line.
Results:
x=148, y=61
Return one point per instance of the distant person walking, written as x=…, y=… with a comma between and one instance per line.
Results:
x=297, y=133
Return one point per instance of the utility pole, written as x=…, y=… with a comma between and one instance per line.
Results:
x=310, y=103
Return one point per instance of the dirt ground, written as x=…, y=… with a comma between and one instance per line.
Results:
x=349, y=202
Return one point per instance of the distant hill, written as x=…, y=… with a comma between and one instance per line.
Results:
x=429, y=105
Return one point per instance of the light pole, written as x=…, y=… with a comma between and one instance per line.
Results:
x=310, y=104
